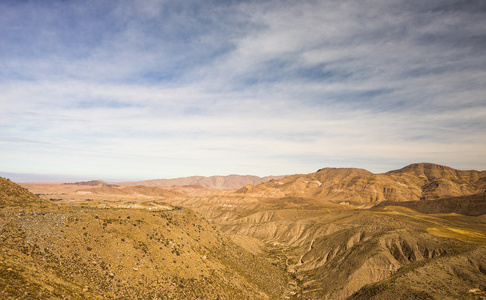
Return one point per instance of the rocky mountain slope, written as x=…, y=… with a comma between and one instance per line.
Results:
x=85, y=252
x=338, y=251
x=414, y=182
x=215, y=182
x=14, y=196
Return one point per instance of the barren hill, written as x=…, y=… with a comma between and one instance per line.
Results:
x=14, y=196
x=215, y=182
x=414, y=182
x=87, y=252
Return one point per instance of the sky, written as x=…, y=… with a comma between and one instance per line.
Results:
x=133, y=90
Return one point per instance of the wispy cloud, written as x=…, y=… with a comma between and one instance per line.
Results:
x=164, y=89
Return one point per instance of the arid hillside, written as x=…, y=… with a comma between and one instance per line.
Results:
x=13, y=196
x=52, y=251
x=414, y=182
x=336, y=250
x=215, y=182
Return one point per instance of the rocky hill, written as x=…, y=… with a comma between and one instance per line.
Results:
x=14, y=196
x=86, y=252
x=414, y=182
x=215, y=182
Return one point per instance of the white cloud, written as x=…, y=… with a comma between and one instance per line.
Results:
x=263, y=88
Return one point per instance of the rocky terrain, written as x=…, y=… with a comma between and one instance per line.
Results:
x=414, y=233
x=13, y=196
x=414, y=182
x=86, y=252
x=336, y=251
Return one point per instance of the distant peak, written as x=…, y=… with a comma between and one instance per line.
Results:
x=94, y=183
x=423, y=166
x=343, y=170
x=428, y=166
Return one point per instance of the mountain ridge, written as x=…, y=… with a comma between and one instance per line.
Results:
x=232, y=181
x=424, y=181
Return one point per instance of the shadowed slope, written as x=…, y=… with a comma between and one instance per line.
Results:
x=472, y=205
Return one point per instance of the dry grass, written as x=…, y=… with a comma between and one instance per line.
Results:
x=465, y=235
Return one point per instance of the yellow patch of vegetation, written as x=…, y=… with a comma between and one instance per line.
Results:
x=397, y=210
x=465, y=235
x=152, y=206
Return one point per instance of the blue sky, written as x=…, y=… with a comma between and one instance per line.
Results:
x=126, y=90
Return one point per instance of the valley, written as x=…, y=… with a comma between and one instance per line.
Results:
x=414, y=233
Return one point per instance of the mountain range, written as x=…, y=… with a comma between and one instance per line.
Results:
x=215, y=182
x=422, y=181
x=413, y=182
x=339, y=233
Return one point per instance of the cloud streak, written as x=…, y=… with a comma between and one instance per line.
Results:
x=160, y=89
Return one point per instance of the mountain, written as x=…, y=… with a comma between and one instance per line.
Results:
x=357, y=186
x=215, y=182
